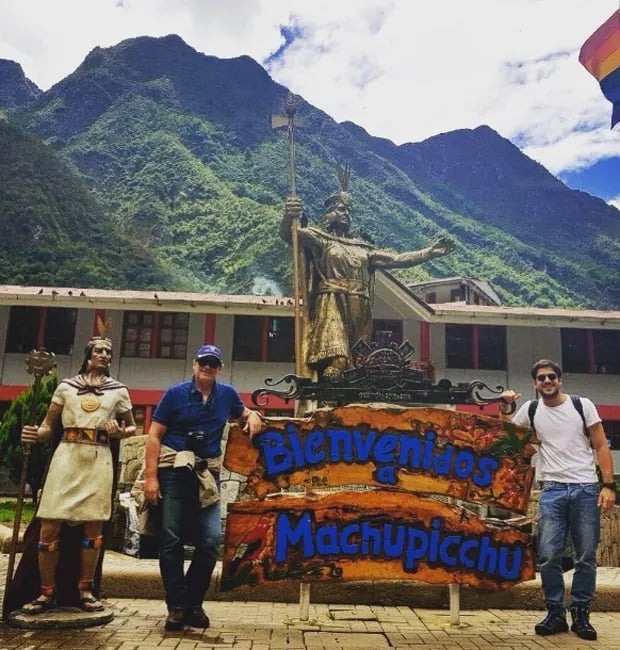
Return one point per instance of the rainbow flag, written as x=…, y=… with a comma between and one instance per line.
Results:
x=600, y=55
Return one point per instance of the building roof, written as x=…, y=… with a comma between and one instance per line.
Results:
x=483, y=286
x=388, y=289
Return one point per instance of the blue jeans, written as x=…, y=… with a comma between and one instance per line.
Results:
x=568, y=508
x=184, y=521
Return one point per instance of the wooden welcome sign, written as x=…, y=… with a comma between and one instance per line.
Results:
x=428, y=450
x=384, y=532
x=370, y=535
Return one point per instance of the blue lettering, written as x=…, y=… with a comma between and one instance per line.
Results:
x=447, y=558
x=327, y=540
x=417, y=546
x=340, y=438
x=410, y=452
x=487, y=558
x=370, y=537
x=297, y=449
x=364, y=444
x=385, y=448
x=429, y=445
x=394, y=545
x=347, y=532
x=277, y=457
x=464, y=558
x=288, y=535
x=464, y=463
x=314, y=453
x=386, y=475
x=442, y=462
x=487, y=466
x=434, y=540
x=514, y=571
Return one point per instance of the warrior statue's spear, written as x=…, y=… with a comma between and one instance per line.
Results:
x=290, y=121
x=39, y=363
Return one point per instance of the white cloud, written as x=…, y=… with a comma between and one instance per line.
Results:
x=615, y=202
x=402, y=69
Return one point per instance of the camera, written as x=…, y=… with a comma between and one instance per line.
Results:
x=195, y=440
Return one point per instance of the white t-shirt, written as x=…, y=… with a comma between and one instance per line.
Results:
x=565, y=453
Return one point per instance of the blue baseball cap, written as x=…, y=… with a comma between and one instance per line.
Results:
x=209, y=351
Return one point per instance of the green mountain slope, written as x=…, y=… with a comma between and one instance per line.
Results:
x=177, y=151
x=53, y=230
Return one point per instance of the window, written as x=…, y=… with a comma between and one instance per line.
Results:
x=431, y=297
x=159, y=335
x=395, y=327
x=612, y=429
x=590, y=351
x=34, y=327
x=455, y=295
x=479, y=347
x=264, y=338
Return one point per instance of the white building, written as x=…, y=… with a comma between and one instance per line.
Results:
x=155, y=336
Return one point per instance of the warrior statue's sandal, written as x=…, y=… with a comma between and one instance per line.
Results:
x=91, y=604
x=39, y=605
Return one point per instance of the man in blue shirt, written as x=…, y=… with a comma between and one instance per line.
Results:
x=182, y=457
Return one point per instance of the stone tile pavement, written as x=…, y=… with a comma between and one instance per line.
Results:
x=138, y=624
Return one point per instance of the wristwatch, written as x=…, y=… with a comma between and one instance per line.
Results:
x=609, y=486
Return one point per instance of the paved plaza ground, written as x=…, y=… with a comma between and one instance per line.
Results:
x=251, y=625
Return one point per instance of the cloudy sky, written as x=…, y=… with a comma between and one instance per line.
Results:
x=402, y=69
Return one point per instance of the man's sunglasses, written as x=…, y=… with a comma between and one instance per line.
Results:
x=550, y=376
x=212, y=362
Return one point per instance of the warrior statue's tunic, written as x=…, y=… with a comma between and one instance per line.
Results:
x=341, y=272
x=78, y=487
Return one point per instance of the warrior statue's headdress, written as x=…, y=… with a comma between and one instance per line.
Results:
x=344, y=176
x=103, y=327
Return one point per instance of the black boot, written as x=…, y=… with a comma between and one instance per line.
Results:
x=581, y=622
x=554, y=622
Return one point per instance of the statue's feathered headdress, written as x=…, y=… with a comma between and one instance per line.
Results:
x=103, y=327
x=344, y=177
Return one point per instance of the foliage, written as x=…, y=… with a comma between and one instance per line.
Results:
x=17, y=415
x=7, y=511
x=165, y=164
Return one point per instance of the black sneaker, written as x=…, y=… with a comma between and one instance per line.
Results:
x=581, y=622
x=553, y=623
x=196, y=617
x=175, y=621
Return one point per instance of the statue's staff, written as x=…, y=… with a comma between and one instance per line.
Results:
x=39, y=364
x=290, y=121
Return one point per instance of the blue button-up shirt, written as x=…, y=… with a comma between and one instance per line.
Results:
x=182, y=409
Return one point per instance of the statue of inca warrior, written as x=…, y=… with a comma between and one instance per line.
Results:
x=92, y=409
x=339, y=272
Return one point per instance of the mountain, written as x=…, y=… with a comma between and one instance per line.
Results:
x=53, y=230
x=176, y=150
x=15, y=89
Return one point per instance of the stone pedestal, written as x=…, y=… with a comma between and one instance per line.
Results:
x=59, y=618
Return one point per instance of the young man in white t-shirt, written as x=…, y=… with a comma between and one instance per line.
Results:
x=571, y=500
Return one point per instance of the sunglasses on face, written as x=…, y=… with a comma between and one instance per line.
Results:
x=212, y=362
x=550, y=376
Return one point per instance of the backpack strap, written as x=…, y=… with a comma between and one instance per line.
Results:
x=576, y=400
x=531, y=412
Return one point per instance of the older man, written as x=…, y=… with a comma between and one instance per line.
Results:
x=183, y=454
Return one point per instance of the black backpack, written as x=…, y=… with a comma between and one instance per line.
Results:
x=575, y=399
